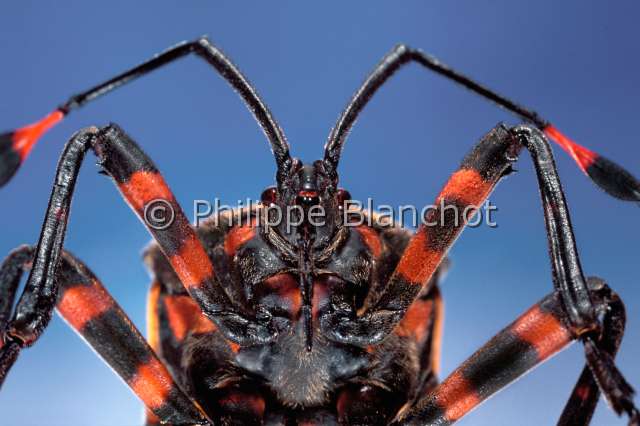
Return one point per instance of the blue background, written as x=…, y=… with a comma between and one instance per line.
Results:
x=576, y=62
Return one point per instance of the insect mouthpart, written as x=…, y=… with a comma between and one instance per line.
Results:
x=307, y=198
x=308, y=194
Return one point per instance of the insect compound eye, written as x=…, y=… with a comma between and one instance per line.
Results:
x=269, y=196
x=342, y=196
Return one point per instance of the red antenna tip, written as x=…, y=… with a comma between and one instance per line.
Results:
x=609, y=176
x=25, y=138
x=581, y=155
x=16, y=145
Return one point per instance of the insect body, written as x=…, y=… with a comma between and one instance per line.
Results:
x=253, y=321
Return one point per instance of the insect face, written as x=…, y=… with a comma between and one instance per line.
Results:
x=295, y=314
x=306, y=208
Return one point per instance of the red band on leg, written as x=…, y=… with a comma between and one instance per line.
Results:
x=80, y=304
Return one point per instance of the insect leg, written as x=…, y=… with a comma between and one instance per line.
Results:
x=169, y=318
x=535, y=336
x=461, y=196
x=172, y=317
x=143, y=188
x=10, y=273
x=585, y=395
x=481, y=169
x=140, y=183
x=35, y=306
x=427, y=248
x=423, y=323
x=154, y=339
x=577, y=298
x=89, y=309
x=171, y=313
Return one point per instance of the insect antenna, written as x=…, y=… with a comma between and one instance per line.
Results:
x=16, y=145
x=606, y=174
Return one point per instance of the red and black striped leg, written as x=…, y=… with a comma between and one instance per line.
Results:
x=585, y=395
x=423, y=323
x=154, y=340
x=465, y=191
x=538, y=334
x=170, y=318
x=531, y=339
x=140, y=183
x=89, y=309
x=142, y=186
x=468, y=187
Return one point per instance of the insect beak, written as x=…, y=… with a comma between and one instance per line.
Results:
x=307, y=198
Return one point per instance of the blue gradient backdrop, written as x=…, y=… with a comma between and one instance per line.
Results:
x=576, y=62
